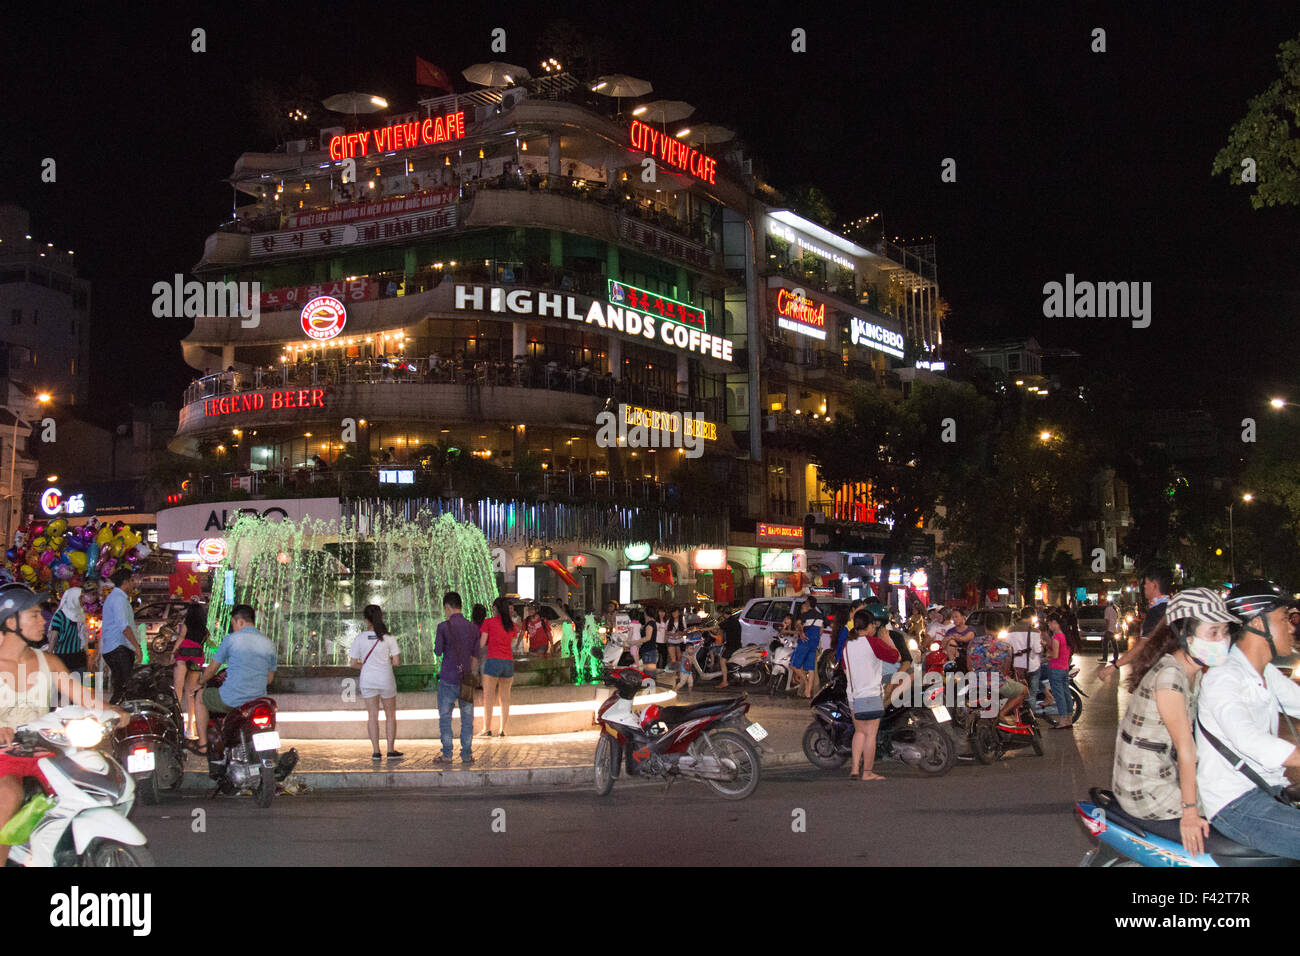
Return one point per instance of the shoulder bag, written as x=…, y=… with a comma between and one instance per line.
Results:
x=469, y=681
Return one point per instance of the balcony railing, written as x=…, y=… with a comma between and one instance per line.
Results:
x=426, y=371
x=313, y=483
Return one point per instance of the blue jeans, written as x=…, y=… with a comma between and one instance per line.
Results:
x=1257, y=820
x=447, y=694
x=1035, y=678
x=1060, y=681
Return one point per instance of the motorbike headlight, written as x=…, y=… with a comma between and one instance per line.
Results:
x=84, y=732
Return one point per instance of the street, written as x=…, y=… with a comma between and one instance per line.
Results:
x=1016, y=812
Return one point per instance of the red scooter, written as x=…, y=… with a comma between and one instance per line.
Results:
x=243, y=749
x=712, y=742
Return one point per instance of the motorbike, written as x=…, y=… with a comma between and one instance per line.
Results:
x=827, y=659
x=243, y=749
x=985, y=737
x=711, y=742
x=912, y=735
x=77, y=797
x=1125, y=841
x=1076, y=697
x=781, y=650
x=748, y=665
x=151, y=744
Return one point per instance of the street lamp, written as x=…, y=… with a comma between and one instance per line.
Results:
x=1232, y=552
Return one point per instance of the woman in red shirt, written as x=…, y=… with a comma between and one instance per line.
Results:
x=498, y=664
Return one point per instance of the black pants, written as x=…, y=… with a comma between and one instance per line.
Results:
x=1107, y=643
x=120, y=660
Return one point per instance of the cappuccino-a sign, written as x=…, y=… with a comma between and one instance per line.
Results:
x=625, y=321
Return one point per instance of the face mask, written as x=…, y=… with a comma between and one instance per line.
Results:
x=1209, y=653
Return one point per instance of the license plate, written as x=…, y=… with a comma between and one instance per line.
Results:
x=269, y=740
x=756, y=731
x=941, y=713
x=139, y=763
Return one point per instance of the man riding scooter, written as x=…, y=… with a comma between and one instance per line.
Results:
x=249, y=657
x=1242, y=762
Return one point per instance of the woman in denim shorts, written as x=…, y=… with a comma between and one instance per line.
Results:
x=498, y=664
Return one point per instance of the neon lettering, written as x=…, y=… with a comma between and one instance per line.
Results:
x=798, y=307
x=672, y=151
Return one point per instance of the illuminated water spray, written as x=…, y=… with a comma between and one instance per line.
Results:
x=309, y=580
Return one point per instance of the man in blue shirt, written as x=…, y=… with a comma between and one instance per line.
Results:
x=457, y=644
x=249, y=657
x=118, y=644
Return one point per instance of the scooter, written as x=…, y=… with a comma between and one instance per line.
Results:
x=748, y=665
x=912, y=735
x=78, y=797
x=711, y=742
x=983, y=735
x=781, y=650
x=243, y=749
x=151, y=745
x=1076, y=698
x=1124, y=841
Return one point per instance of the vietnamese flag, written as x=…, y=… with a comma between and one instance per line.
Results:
x=661, y=573
x=724, y=591
x=183, y=584
x=426, y=74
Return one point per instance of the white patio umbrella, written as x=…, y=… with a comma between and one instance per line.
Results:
x=620, y=86
x=355, y=103
x=706, y=133
x=495, y=74
x=663, y=111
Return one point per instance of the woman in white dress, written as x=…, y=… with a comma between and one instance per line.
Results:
x=375, y=651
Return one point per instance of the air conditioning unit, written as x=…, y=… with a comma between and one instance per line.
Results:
x=296, y=146
x=512, y=98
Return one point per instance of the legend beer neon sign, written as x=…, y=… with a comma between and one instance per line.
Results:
x=386, y=139
x=674, y=152
x=258, y=401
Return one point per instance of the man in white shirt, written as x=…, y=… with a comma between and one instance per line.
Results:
x=1237, y=712
x=1027, y=658
x=1110, y=643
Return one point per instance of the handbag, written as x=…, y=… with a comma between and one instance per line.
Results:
x=469, y=682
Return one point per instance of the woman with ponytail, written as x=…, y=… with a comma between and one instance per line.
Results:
x=375, y=651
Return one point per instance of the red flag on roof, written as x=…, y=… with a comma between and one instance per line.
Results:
x=426, y=74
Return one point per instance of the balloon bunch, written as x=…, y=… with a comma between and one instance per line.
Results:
x=49, y=555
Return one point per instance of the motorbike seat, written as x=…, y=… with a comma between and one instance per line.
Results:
x=1228, y=852
x=678, y=715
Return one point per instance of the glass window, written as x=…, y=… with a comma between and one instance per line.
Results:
x=758, y=612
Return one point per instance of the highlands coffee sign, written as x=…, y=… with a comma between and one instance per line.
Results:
x=626, y=321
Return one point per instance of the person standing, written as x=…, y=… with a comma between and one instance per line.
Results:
x=68, y=631
x=1027, y=653
x=539, y=632
x=188, y=655
x=675, y=633
x=118, y=643
x=661, y=635
x=1156, y=584
x=1058, y=658
x=1110, y=643
x=457, y=645
x=804, y=660
x=864, y=673
x=498, y=664
x=375, y=651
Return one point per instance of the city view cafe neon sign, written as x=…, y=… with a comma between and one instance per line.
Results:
x=386, y=139
x=671, y=150
x=629, y=322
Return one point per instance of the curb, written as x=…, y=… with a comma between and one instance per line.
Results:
x=457, y=779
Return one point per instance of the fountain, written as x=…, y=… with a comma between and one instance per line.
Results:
x=309, y=581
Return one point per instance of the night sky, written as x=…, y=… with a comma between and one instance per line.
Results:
x=1067, y=161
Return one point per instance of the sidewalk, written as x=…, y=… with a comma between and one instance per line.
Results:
x=557, y=760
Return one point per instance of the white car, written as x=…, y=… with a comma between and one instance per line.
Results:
x=761, y=618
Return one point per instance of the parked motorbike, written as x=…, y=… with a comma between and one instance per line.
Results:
x=913, y=735
x=748, y=665
x=151, y=745
x=712, y=742
x=780, y=651
x=243, y=749
x=1076, y=697
x=1123, y=840
x=77, y=797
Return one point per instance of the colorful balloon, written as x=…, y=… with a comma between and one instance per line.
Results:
x=78, y=560
x=28, y=573
x=48, y=558
x=56, y=528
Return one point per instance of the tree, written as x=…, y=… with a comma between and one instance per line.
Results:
x=908, y=452
x=284, y=111
x=1267, y=135
x=811, y=203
